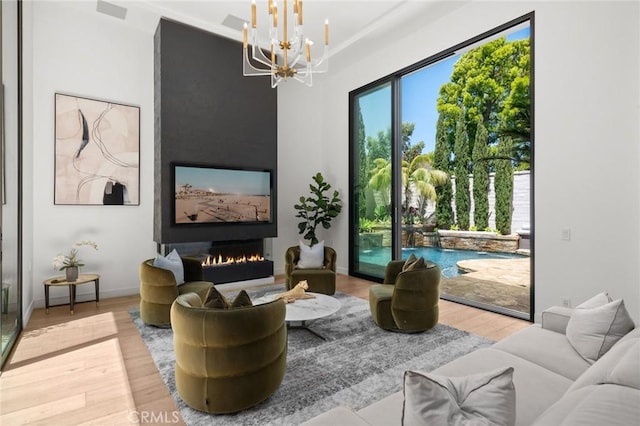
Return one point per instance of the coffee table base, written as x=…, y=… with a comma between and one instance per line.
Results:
x=304, y=310
x=303, y=326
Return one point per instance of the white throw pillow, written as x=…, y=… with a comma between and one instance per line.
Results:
x=596, y=325
x=599, y=299
x=480, y=399
x=311, y=257
x=172, y=262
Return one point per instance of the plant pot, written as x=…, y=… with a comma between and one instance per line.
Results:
x=72, y=273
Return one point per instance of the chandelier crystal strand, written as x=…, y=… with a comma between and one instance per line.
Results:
x=288, y=57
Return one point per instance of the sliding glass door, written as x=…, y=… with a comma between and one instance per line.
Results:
x=372, y=179
x=10, y=157
x=442, y=167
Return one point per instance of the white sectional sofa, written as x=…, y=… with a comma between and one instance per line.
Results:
x=554, y=384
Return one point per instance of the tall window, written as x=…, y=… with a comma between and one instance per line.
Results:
x=372, y=179
x=441, y=166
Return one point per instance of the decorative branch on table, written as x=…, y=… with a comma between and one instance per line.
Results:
x=317, y=210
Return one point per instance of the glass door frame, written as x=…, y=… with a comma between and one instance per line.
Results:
x=394, y=80
x=395, y=173
x=4, y=354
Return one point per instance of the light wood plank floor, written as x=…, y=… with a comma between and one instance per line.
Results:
x=79, y=393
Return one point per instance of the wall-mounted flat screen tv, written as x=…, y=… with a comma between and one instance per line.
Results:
x=205, y=194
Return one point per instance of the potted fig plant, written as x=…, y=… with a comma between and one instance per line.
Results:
x=317, y=209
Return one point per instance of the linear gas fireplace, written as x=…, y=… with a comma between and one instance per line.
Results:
x=228, y=261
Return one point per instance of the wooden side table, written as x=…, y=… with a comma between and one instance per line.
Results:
x=62, y=280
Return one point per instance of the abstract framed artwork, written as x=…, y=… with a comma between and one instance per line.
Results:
x=97, y=152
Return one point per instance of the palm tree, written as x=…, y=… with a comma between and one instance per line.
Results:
x=381, y=180
x=184, y=189
x=417, y=175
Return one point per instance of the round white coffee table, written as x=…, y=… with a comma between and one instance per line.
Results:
x=303, y=310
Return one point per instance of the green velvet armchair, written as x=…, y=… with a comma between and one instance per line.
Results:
x=408, y=300
x=228, y=360
x=320, y=280
x=158, y=289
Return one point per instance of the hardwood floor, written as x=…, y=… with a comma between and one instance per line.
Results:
x=94, y=368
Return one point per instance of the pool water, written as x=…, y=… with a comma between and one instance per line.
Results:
x=445, y=258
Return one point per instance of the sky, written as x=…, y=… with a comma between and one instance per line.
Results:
x=224, y=180
x=420, y=90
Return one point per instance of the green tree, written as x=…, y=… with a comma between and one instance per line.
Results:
x=381, y=180
x=363, y=165
x=379, y=146
x=481, y=178
x=503, y=185
x=442, y=161
x=515, y=119
x=483, y=82
x=409, y=150
x=462, y=175
x=418, y=176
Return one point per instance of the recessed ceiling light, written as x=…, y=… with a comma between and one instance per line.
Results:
x=111, y=9
x=234, y=22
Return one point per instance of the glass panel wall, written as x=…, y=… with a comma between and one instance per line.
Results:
x=10, y=300
x=463, y=159
x=371, y=180
x=421, y=180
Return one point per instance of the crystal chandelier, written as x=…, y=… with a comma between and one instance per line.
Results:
x=289, y=57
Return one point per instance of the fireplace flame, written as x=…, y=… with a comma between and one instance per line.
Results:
x=213, y=260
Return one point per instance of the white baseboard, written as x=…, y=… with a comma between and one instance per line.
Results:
x=26, y=315
x=341, y=270
x=89, y=295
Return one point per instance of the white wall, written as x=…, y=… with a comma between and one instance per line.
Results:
x=71, y=49
x=587, y=122
x=586, y=137
x=303, y=138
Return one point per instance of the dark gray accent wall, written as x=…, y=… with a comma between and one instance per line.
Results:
x=207, y=112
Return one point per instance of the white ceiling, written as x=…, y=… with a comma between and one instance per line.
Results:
x=350, y=20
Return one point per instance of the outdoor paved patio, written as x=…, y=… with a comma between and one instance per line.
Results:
x=500, y=282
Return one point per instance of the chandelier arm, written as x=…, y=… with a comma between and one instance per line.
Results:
x=322, y=65
x=275, y=79
x=318, y=62
x=306, y=78
x=296, y=60
x=261, y=58
x=249, y=70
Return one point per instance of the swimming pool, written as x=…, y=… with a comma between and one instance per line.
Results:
x=445, y=258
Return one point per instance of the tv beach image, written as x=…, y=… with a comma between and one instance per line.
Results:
x=215, y=195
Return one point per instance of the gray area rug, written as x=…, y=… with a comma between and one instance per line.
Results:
x=357, y=365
